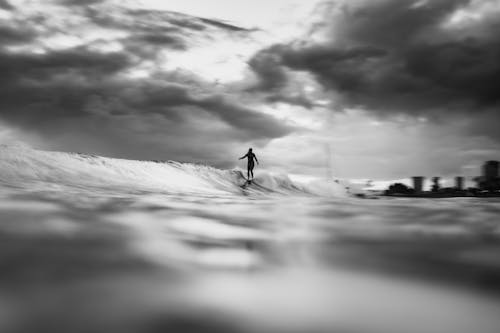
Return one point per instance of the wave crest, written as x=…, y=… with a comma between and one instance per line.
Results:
x=23, y=166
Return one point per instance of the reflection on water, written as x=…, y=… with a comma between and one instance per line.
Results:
x=79, y=260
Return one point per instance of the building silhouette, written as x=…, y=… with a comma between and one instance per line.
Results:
x=489, y=180
x=490, y=170
x=459, y=183
x=488, y=185
x=418, y=184
x=435, y=184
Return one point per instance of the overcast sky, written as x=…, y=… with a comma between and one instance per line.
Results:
x=392, y=88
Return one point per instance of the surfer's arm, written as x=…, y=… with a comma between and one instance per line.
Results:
x=256, y=160
x=242, y=157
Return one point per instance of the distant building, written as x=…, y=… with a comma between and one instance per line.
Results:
x=435, y=184
x=459, y=183
x=490, y=170
x=418, y=184
x=489, y=180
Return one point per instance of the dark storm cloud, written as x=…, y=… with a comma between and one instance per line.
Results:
x=82, y=98
x=395, y=56
x=76, y=62
x=267, y=64
x=63, y=84
x=4, y=4
x=144, y=21
x=14, y=35
x=39, y=88
x=152, y=30
x=139, y=20
x=223, y=25
x=273, y=77
x=160, y=40
x=79, y=2
x=148, y=45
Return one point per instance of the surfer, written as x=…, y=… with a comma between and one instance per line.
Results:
x=250, y=156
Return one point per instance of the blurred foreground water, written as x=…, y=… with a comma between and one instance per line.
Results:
x=82, y=256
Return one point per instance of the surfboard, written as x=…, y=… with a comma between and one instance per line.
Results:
x=245, y=184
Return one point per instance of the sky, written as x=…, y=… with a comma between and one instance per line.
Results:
x=375, y=89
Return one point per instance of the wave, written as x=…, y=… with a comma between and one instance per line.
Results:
x=24, y=166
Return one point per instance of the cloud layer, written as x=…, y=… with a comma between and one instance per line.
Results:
x=107, y=78
x=96, y=82
x=392, y=56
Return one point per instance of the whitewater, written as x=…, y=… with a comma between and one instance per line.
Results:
x=98, y=244
x=23, y=165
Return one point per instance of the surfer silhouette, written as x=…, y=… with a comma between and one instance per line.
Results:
x=250, y=156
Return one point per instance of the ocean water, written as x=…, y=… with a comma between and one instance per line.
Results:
x=92, y=244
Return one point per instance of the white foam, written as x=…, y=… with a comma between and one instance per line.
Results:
x=26, y=166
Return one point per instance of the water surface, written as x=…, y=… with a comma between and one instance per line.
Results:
x=90, y=244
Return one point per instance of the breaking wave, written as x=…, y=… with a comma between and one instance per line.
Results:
x=24, y=166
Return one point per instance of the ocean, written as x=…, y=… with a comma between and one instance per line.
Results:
x=94, y=244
